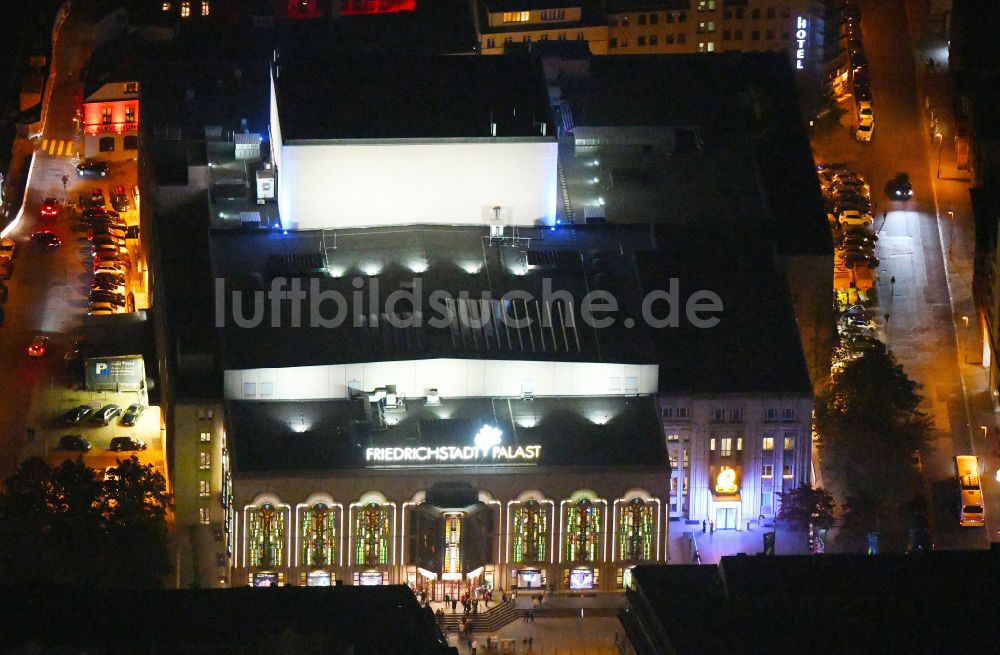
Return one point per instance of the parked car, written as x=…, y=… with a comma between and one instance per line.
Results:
x=853, y=218
x=98, y=296
x=98, y=168
x=7, y=248
x=132, y=414
x=106, y=413
x=101, y=309
x=74, y=442
x=46, y=238
x=77, y=415
x=119, y=444
x=119, y=199
x=106, y=229
x=50, y=208
x=115, y=260
x=865, y=131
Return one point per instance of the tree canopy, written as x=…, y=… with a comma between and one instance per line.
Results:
x=870, y=425
x=804, y=505
x=64, y=526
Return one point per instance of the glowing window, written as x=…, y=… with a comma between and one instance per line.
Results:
x=204, y=488
x=767, y=443
x=787, y=471
x=204, y=516
x=106, y=115
x=130, y=114
x=205, y=460
x=267, y=536
x=767, y=471
x=530, y=533
x=583, y=530
x=206, y=437
x=318, y=535
x=205, y=8
x=165, y=6
x=516, y=16
x=635, y=531
x=453, y=543
x=789, y=442
x=371, y=535
x=185, y=9
x=727, y=447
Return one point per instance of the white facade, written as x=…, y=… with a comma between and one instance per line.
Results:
x=351, y=184
x=453, y=378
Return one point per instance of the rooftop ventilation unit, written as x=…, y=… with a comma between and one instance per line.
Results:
x=432, y=397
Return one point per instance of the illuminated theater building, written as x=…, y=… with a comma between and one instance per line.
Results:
x=480, y=437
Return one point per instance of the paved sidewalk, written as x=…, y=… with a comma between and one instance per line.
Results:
x=713, y=546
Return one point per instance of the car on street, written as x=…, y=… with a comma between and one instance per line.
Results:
x=7, y=248
x=110, y=269
x=854, y=218
x=46, y=238
x=119, y=199
x=855, y=182
x=77, y=415
x=860, y=232
x=75, y=442
x=98, y=168
x=899, y=187
x=99, y=296
x=132, y=414
x=119, y=444
x=105, y=414
x=854, y=259
x=109, y=259
x=38, y=346
x=105, y=229
x=50, y=208
x=106, y=278
x=865, y=130
x=96, y=198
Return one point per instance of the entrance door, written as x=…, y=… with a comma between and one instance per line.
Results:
x=725, y=518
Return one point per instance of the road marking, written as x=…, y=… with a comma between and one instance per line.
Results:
x=60, y=149
x=45, y=144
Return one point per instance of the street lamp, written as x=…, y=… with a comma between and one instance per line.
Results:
x=940, y=139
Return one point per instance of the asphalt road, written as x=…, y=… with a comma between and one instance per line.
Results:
x=921, y=306
x=48, y=290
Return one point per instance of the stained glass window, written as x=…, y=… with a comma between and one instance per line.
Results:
x=371, y=535
x=635, y=531
x=583, y=531
x=267, y=536
x=530, y=532
x=318, y=535
x=453, y=543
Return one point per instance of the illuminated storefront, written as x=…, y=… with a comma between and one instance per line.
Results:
x=110, y=120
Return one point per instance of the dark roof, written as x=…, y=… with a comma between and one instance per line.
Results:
x=288, y=619
x=755, y=347
x=751, y=139
x=616, y=6
x=117, y=61
x=853, y=603
x=286, y=437
x=352, y=97
x=494, y=6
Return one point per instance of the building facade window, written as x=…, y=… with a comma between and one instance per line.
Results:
x=670, y=17
x=131, y=87
x=727, y=447
x=583, y=530
x=267, y=536
x=718, y=415
x=530, y=533
x=319, y=535
x=204, y=460
x=669, y=40
x=739, y=444
x=206, y=437
x=770, y=12
x=666, y=412
x=654, y=40
x=516, y=16
x=787, y=471
x=769, y=34
x=642, y=19
x=654, y=19
x=491, y=43
x=554, y=14
x=635, y=531
x=682, y=38
x=683, y=412
x=767, y=443
x=738, y=35
x=204, y=488
x=711, y=444
x=771, y=414
x=130, y=114
x=185, y=9
x=106, y=144
x=204, y=516
x=755, y=35
x=613, y=42
x=788, y=414
x=755, y=14
x=767, y=471
x=789, y=441
x=641, y=40
x=106, y=115
x=371, y=534
x=205, y=8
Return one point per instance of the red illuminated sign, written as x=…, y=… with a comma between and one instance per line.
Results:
x=356, y=7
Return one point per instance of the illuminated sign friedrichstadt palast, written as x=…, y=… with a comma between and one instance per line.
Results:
x=453, y=455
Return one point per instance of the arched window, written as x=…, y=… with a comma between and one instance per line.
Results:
x=583, y=531
x=635, y=531
x=106, y=144
x=318, y=536
x=131, y=143
x=267, y=536
x=371, y=533
x=530, y=532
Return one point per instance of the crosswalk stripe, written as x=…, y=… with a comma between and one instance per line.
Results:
x=60, y=150
x=45, y=144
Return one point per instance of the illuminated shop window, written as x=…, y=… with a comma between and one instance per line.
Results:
x=318, y=536
x=267, y=535
x=516, y=16
x=530, y=532
x=185, y=9
x=371, y=535
x=635, y=531
x=453, y=543
x=583, y=530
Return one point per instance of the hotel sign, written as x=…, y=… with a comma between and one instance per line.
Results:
x=801, y=33
x=487, y=450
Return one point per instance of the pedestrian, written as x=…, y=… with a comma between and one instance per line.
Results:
x=513, y=596
x=704, y=526
x=524, y=617
x=892, y=280
x=454, y=604
x=711, y=527
x=532, y=616
x=474, y=646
